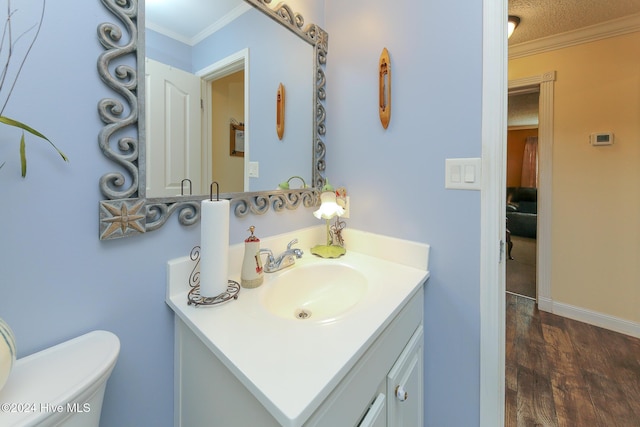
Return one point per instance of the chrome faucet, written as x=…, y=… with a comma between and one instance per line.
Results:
x=284, y=260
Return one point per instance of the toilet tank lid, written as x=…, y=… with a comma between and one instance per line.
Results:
x=60, y=374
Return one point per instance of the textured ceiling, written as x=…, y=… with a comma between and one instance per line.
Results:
x=542, y=18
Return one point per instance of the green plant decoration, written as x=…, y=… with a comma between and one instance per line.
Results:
x=7, y=46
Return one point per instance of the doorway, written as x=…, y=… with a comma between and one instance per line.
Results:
x=492, y=280
x=188, y=117
x=226, y=121
x=521, y=191
x=542, y=84
x=223, y=81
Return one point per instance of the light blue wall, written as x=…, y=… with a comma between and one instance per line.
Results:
x=57, y=280
x=396, y=176
x=168, y=51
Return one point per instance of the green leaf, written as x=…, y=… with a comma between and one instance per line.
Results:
x=15, y=123
x=23, y=156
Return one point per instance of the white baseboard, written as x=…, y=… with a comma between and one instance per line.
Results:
x=595, y=318
x=545, y=304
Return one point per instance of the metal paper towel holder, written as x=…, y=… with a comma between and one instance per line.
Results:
x=194, y=297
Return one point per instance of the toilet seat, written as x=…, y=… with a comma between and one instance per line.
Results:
x=58, y=382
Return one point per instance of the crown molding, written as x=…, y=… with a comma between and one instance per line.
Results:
x=192, y=41
x=221, y=23
x=612, y=28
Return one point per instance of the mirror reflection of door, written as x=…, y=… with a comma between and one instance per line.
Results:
x=174, y=123
x=173, y=126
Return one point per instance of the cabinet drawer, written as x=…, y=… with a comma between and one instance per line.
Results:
x=376, y=416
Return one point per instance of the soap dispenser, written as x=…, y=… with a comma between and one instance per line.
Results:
x=252, y=275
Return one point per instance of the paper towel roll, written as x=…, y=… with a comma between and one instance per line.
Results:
x=214, y=247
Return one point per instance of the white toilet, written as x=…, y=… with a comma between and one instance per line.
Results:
x=62, y=385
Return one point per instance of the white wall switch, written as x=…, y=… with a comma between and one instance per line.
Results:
x=463, y=174
x=469, y=174
x=254, y=170
x=455, y=174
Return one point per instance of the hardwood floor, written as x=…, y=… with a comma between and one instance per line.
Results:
x=561, y=372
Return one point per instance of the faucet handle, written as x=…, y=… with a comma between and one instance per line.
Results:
x=270, y=258
x=295, y=251
x=291, y=243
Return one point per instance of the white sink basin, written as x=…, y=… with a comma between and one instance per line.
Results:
x=315, y=292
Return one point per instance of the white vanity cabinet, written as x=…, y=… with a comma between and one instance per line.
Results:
x=208, y=393
x=244, y=363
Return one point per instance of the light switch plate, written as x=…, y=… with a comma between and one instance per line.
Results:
x=254, y=170
x=463, y=174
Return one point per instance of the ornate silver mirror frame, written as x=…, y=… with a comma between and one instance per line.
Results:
x=126, y=211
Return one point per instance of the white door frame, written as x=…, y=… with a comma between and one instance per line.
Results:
x=492, y=207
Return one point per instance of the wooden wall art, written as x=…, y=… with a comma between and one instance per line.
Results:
x=384, y=76
x=280, y=111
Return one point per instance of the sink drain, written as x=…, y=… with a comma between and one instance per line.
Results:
x=302, y=314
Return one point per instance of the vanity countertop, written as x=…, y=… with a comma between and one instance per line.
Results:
x=292, y=365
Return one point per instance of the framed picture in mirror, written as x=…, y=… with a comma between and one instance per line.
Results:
x=236, y=139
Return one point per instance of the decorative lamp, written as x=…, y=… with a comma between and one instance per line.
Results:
x=512, y=23
x=329, y=208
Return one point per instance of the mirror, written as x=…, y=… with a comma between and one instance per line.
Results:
x=128, y=209
x=234, y=59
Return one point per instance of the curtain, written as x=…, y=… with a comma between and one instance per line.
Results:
x=529, y=176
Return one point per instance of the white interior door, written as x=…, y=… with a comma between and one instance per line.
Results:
x=173, y=119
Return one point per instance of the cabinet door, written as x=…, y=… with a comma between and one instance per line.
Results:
x=405, y=385
x=377, y=415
